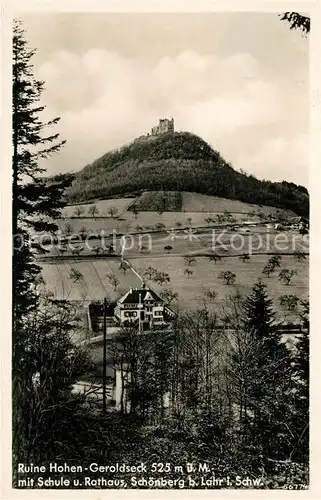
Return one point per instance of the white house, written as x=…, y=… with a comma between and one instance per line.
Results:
x=141, y=307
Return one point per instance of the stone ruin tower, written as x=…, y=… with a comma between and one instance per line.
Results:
x=165, y=125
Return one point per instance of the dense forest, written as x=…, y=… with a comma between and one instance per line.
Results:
x=180, y=162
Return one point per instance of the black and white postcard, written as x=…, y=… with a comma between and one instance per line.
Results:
x=160, y=172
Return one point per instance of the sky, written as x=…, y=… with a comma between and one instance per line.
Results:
x=238, y=80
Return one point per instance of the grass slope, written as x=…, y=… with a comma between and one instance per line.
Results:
x=191, y=290
x=93, y=283
x=196, y=202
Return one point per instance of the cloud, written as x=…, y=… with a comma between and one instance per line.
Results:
x=278, y=158
x=106, y=99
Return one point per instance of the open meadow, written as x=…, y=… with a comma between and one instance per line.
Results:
x=162, y=240
x=103, y=207
x=177, y=241
x=92, y=280
x=143, y=221
x=191, y=289
x=188, y=202
x=87, y=280
x=204, y=203
x=115, y=214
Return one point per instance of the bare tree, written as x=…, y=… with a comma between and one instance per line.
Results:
x=133, y=356
x=299, y=256
x=135, y=211
x=268, y=270
x=159, y=226
x=245, y=257
x=286, y=275
x=188, y=271
x=209, y=220
x=228, y=277
x=169, y=295
x=246, y=378
x=150, y=272
x=214, y=257
x=78, y=211
x=161, y=277
x=93, y=210
x=198, y=363
x=83, y=232
x=289, y=302
x=75, y=275
x=189, y=260
x=124, y=266
x=210, y=295
x=68, y=228
x=97, y=250
x=275, y=260
x=113, y=280
x=113, y=212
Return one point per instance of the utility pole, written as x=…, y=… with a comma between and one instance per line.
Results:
x=104, y=357
x=139, y=313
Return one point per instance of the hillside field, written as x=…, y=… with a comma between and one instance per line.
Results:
x=144, y=221
x=92, y=285
x=165, y=250
x=195, y=209
x=95, y=285
x=173, y=201
x=224, y=241
x=120, y=204
x=205, y=277
x=196, y=202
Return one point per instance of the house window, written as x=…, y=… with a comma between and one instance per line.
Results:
x=130, y=314
x=158, y=313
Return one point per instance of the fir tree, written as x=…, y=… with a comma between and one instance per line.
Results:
x=259, y=316
x=36, y=200
x=301, y=386
x=273, y=372
x=302, y=358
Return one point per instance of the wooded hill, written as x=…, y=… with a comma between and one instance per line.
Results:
x=179, y=162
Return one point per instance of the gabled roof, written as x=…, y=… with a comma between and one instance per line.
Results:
x=139, y=295
x=148, y=296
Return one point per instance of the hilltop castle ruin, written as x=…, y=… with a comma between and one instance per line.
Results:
x=165, y=125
